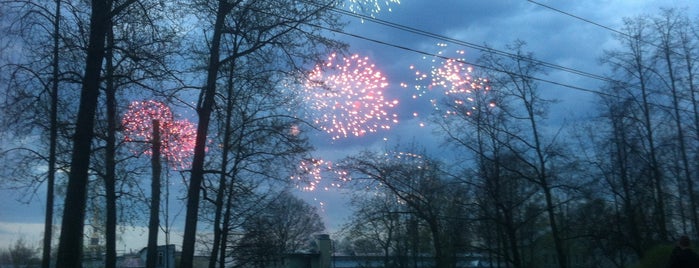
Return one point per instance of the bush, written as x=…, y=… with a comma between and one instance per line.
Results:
x=656, y=257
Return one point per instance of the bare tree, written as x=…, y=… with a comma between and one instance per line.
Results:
x=255, y=134
x=419, y=183
x=37, y=23
x=526, y=138
x=285, y=225
x=482, y=130
x=250, y=27
x=629, y=188
x=110, y=154
x=70, y=243
x=19, y=254
x=53, y=144
x=377, y=220
x=668, y=27
x=633, y=65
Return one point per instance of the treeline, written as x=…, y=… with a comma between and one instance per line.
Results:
x=612, y=190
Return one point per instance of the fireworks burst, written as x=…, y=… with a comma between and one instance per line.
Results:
x=346, y=97
x=449, y=78
x=177, y=136
x=309, y=175
x=370, y=7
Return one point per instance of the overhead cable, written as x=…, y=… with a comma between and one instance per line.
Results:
x=490, y=50
x=468, y=44
x=626, y=35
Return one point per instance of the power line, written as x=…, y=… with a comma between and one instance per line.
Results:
x=470, y=45
x=628, y=36
x=582, y=19
x=458, y=60
x=448, y=39
x=578, y=88
x=482, y=48
x=499, y=52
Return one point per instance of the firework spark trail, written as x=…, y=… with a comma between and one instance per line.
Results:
x=370, y=7
x=310, y=173
x=458, y=84
x=347, y=98
x=448, y=78
x=177, y=136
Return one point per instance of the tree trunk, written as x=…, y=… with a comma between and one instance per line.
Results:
x=441, y=260
x=218, y=225
x=689, y=65
x=681, y=139
x=511, y=233
x=224, y=169
x=528, y=97
x=110, y=157
x=558, y=242
x=225, y=230
x=204, y=112
x=53, y=141
x=654, y=165
x=154, y=223
x=628, y=207
x=71, y=242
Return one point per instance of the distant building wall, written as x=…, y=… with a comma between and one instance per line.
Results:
x=165, y=255
x=320, y=257
x=301, y=260
x=167, y=258
x=325, y=250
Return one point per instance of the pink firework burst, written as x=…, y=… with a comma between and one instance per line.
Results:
x=346, y=95
x=451, y=81
x=177, y=136
x=460, y=87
